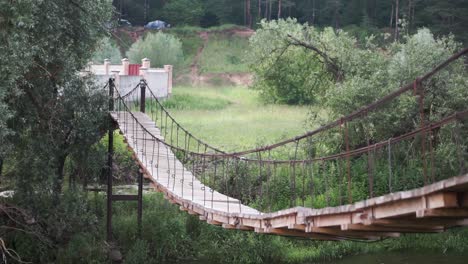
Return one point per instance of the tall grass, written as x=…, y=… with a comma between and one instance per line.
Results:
x=182, y=101
x=224, y=54
x=244, y=122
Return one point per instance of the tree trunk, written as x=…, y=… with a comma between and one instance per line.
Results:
x=121, y=8
x=391, y=18
x=249, y=14
x=279, y=9
x=313, y=12
x=1, y=166
x=397, y=2
x=336, y=14
x=259, y=9
x=146, y=11
x=245, y=12
x=266, y=9
x=59, y=178
x=270, y=7
x=410, y=14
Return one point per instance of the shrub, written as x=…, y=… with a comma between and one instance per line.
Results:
x=106, y=49
x=290, y=74
x=160, y=48
x=138, y=253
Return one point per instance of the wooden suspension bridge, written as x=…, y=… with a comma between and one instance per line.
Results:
x=212, y=183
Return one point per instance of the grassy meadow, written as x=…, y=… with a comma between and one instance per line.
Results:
x=234, y=118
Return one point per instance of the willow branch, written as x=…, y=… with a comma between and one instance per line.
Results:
x=330, y=62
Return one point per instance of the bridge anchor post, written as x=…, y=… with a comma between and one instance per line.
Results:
x=142, y=95
x=140, y=201
x=110, y=154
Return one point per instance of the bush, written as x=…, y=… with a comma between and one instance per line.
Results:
x=106, y=49
x=286, y=73
x=138, y=253
x=161, y=49
x=82, y=248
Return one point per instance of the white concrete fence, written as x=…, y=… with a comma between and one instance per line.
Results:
x=159, y=79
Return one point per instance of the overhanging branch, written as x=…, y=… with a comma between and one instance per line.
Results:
x=330, y=63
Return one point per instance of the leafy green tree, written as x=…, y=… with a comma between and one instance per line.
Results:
x=52, y=111
x=183, y=12
x=377, y=75
x=106, y=50
x=160, y=48
x=295, y=63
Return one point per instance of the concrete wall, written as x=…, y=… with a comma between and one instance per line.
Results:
x=102, y=80
x=125, y=83
x=158, y=82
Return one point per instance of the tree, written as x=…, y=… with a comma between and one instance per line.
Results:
x=159, y=47
x=52, y=112
x=259, y=12
x=183, y=12
x=279, y=9
x=106, y=50
x=285, y=68
x=397, y=8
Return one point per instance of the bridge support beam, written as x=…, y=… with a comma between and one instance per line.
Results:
x=110, y=153
x=140, y=201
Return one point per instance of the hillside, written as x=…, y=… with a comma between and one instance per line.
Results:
x=213, y=56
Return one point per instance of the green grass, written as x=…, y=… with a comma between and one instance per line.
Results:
x=191, y=42
x=224, y=54
x=243, y=122
x=186, y=101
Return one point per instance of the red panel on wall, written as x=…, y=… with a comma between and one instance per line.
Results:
x=134, y=69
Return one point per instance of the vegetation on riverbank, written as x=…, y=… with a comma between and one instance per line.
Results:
x=53, y=121
x=266, y=248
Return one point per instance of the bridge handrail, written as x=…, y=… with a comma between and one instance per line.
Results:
x=338, y=122
x=362, y=111
x=178, y=124
x=455, y=116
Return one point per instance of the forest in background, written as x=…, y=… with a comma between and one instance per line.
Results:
x=442, y=17
x=52, y=123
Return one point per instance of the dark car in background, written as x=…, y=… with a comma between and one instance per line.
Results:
x=157, y=24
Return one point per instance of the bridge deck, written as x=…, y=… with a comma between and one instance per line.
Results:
x=432, y=208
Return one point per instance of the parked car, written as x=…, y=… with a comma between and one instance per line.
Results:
x=124, y=23
x=157, y=24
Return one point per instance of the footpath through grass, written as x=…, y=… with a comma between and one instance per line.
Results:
x=234, y=118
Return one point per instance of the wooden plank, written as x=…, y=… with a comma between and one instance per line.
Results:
x=332, y=220
x=295, y=233
x=417, y=222
x=369, y=235
x=238, y=227
x=446, y=212
x=359, y=227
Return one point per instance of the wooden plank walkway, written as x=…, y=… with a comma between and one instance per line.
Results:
x=429, y=209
